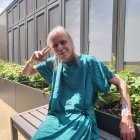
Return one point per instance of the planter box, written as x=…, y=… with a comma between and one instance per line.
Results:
x=10, y=91
x=21, y=97
x=110, y=123
x=2, y=89
x=29, y=98
x=7, y=92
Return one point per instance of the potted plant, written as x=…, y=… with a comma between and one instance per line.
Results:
x=108, y=108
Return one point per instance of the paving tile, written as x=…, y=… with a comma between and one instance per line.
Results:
x=5, y=129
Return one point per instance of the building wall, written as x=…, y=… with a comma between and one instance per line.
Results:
x=3, y=36
x=28, y=25
x=100, y=28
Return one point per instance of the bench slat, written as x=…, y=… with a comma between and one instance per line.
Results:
x=43, y=111
x=103, y=138
x=46, y=106
x=24, y=126
x=38, y=115
x=107, y=135
x=31, y=119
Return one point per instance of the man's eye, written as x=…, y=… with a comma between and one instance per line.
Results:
x=63, y=42
x=55, y=45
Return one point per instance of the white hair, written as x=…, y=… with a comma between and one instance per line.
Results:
x=59, y=30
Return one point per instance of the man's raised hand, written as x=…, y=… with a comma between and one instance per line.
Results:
x=39, y=55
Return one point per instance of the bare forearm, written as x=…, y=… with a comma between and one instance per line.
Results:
x=37, y=56
x=125, y=97
x=29, y=68
x=122, y=86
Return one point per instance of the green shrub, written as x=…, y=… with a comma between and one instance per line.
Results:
x=132, y=80
x=111, y=103
x=135, y=107
x=13, y=72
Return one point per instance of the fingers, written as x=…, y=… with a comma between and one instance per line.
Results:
x=123, y=134
x=38, y=56
x=131, y=137
x=133, y=133
x=46, y=50
x=127, y=133
x=126, y=136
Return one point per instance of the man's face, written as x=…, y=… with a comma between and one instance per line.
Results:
x=62, y=47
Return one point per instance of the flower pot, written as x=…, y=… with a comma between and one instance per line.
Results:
x=110, y=124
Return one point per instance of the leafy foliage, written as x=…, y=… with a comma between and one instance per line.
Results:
x=135, y=106
x=111, y=103
x=47, y=89
x=132, y=80
x=13, y=72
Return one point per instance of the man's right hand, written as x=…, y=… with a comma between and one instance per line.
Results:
x=38, y=56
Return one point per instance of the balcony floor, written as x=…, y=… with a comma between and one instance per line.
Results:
x=5, y=129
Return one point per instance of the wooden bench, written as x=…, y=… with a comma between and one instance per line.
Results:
x=28, y=122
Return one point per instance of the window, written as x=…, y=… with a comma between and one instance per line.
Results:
x=53, y=16
x=30, y=37
x=30, y=6
x=15, y=46
x=132, y=33
x=10, y=39
x=10, y=19
x=40, y=3
x=40, y=31
x=22, y=43
x=15, y=14
x=21, y=9
x=72, y=20
x=100, y=29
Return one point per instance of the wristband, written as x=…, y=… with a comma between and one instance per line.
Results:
x=125, y=112
x=29, y=63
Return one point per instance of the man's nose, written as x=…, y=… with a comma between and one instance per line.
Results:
x=60, y=47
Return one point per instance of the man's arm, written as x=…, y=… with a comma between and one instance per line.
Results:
x=29, y=68
x=37, y=56
x=127, y=129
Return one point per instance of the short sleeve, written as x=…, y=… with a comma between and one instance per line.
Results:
x=100, y=75
x=46, y=69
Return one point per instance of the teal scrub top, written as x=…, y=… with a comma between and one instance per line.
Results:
x=74, y=92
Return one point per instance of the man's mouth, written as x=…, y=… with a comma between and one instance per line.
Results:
x=62, y=53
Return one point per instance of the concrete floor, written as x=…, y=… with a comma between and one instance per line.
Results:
x=5, y=130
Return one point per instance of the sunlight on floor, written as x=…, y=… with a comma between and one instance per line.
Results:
x=5, y=130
